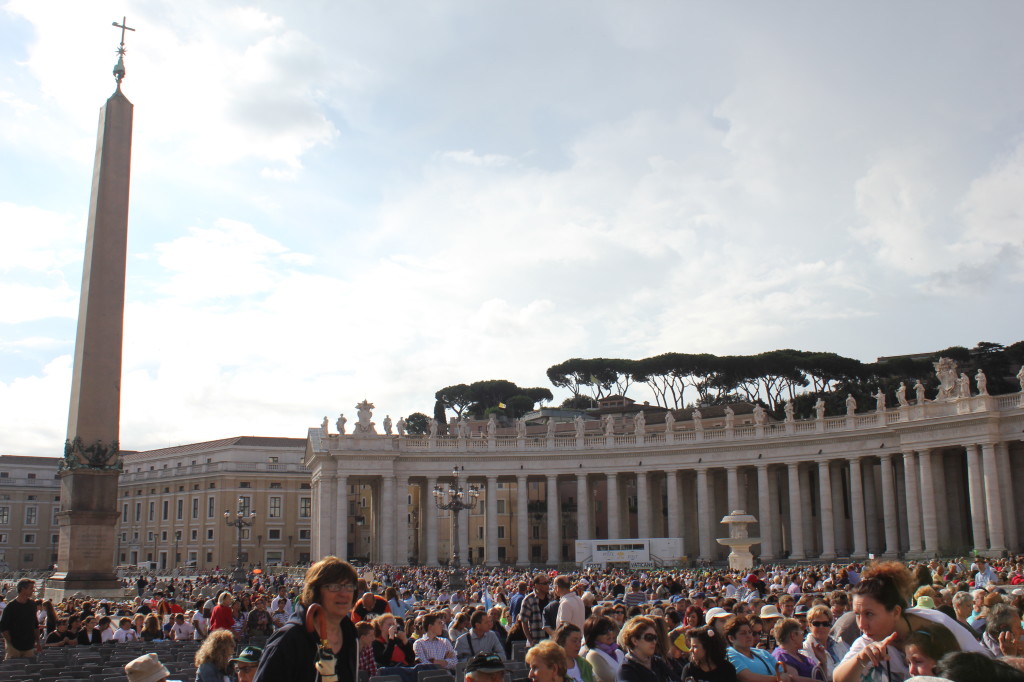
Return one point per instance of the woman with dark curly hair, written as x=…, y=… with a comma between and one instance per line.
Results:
x=708, y=660
x=880, y=602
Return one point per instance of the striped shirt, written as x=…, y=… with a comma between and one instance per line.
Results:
x=430, y=648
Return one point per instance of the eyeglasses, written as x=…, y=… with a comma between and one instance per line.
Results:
x=649, y=637
x=339, y=587
x=821, y=624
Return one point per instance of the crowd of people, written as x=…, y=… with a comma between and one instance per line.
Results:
x=884, y=621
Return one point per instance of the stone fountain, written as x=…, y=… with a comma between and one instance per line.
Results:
x=739, y=541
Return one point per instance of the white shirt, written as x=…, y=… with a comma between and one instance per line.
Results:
x=182, y=631
x=289, y=608
x=123, y=635
x=571, y=610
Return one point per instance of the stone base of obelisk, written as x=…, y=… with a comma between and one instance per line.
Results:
x=85, y=555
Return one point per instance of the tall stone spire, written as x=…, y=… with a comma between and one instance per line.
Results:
x=91, y=466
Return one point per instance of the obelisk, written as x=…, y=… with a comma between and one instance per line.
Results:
x=91, y=466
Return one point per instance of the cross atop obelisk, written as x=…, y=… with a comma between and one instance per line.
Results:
x=91, y=466
x=119, y=67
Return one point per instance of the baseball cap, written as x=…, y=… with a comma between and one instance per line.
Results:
x=485, y=663
x=250, y=654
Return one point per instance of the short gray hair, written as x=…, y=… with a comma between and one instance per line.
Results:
x=962, y=598
x=1000, y=617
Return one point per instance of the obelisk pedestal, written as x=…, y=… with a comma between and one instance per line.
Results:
x=91, y=466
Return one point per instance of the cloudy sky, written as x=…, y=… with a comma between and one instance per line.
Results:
x=334, y=200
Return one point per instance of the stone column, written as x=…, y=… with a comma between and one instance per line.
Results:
x=764, y=512
x=554, y=516
x=733, y=488
x=402, y=520
x=492, y=521
x=994, y=495
x=929, y=517
x=976, y=488
x=871, y=506
x=1009, y=501
x=675, y=514
x=387, y=520
x=643, y=506
x=582, y=507
x=464, y=534
x=828, y=530
x=613, y=506
x=703, y=520
x=341, y=518
x=860, y=537
x=889, y=519
x=796, y=513
x=522, y=521
x=429, y=512
x=913, y=487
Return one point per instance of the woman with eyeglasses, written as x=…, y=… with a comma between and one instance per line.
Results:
x=319, y=641
x=603, y=654
x=819, y=642
x=789, y=633
x=642, y=664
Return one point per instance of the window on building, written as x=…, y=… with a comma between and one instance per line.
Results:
x=28, y=557
x=31, y=497
x=274, y=534
x=163, y=536
x=209, y=507
x=303, y=486
x=124, y=513
x=245, y=504
x=31, y=475
x=246, y=534
x=305, y=507
x=5, y=515
x=209, y=557
x=31, y=515
x=181, y=509
x=124, y=537
x=480, y=533
x=273, y=459
x=244, y=484
x=536, y=532
x=53, y=514
x=4, y=474
x=276, y=485
x=152, y=510
x=273, y=557
x=195, y=507
x=3, y=538
x=274, y=508
x=501, y=532
x=501, y=506
x=209, y=533
x=167, y=509
x=304, y=534
x=138, y=512
x=195, y=534
x=150, y=536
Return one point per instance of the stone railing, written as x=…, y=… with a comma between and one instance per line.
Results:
x=903, y=415
x=213, y=467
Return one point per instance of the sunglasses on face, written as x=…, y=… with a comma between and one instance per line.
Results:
x=821, y=624
x=649, y=637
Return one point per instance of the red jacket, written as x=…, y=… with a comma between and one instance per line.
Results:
x=222, y=618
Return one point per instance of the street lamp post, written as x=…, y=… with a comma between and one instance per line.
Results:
x=241, y=521
x=455, y=499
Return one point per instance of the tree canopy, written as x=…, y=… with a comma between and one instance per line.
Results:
x=481, y=397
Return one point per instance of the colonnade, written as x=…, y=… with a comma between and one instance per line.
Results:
x=886, y=503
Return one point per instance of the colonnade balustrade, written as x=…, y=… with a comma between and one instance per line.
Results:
x=823, y=489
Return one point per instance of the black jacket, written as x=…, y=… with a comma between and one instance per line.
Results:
x=631, y=671
x=384, y=651
x=291, y=653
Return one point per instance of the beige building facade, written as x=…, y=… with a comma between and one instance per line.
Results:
x=171, y=504
x=29, y=502
x=928, y=478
